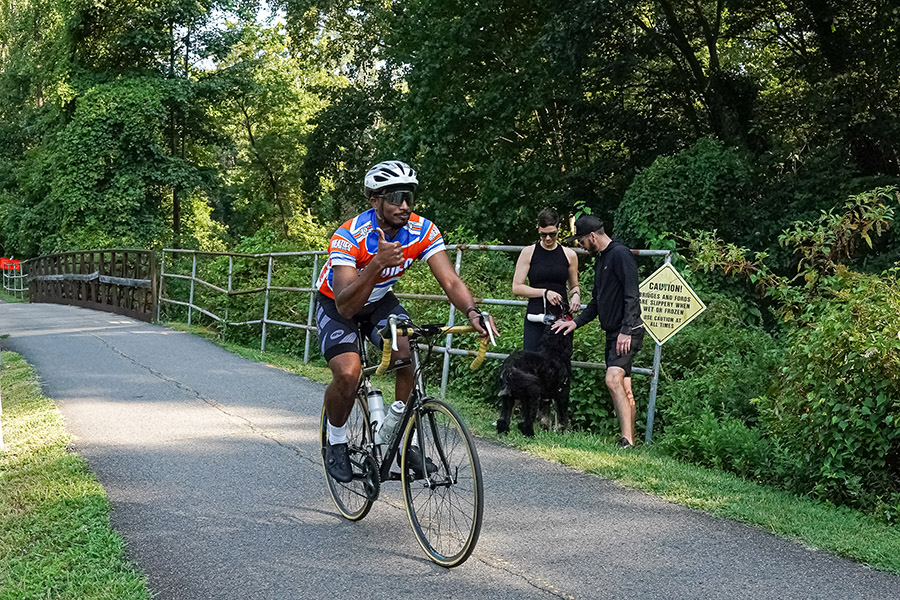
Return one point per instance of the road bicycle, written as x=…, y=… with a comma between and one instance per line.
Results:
x=445, y=507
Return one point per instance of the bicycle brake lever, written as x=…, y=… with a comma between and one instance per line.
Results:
x=392, y=322
x=486, y=323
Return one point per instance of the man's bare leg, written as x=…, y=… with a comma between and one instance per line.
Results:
x=340, y=393
x=623, y=400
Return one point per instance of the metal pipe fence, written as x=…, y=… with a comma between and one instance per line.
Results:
x=309, y=326
x=15, y=283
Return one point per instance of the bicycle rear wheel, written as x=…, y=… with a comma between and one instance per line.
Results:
x=353, y=499
x=445, y=509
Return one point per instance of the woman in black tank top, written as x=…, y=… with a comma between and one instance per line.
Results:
x=550, y=269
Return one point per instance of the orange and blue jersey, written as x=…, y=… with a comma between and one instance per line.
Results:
x=355, y=243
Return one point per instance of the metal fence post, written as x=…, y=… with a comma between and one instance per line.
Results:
x=445, y=371
x=228, y=294
x=162, y=275
x=262, y=347
x=654, y=383
x=312, y=304
x=193, y=278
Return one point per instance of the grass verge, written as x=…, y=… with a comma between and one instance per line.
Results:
x=55, y=535
x=839, y=530
x=7, y=297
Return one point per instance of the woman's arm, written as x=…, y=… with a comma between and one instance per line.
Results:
x=574, y=290
x=519, y=287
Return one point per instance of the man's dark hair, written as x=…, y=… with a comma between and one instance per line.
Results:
x=548, y=218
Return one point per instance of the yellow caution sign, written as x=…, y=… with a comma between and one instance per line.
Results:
x=667, y=303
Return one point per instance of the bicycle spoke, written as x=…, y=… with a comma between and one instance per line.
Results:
x=445, y=509
x=351, y=498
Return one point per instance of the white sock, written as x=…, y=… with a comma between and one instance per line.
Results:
x=337, y=435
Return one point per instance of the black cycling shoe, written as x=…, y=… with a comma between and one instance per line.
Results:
x=337, y=462
x=414, y=460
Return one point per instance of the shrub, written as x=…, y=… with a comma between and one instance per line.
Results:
x=711, y=371
x=838, y=405
x=685, y=192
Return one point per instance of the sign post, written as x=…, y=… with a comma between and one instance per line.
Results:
x=667, y=304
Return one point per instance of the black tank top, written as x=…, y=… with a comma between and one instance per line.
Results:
x=549, y=270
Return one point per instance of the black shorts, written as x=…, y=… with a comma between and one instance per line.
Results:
x=613, y=359
x=338, y=335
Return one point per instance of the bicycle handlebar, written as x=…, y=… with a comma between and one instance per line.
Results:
x=395, y=329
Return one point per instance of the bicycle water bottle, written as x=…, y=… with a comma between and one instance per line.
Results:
x=385, y=433
x=376, y=407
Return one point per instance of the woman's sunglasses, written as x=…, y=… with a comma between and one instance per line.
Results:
x=548, y=234
x=397, y=198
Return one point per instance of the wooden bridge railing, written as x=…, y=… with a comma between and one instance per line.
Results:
x=122, y=281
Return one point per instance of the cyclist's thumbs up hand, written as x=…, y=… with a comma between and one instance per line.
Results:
x=390, y=254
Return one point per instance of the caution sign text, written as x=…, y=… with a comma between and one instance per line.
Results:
x=667, y=303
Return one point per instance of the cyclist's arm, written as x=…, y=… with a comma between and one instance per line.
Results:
x=352, y=288
x=519, y=287
x=452, y=285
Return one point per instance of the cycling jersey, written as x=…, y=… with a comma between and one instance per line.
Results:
x=355, y=243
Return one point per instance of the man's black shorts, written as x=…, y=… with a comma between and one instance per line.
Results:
x=338, y=335
x=613, y=359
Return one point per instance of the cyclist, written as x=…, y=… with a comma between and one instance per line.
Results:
x=366, y=255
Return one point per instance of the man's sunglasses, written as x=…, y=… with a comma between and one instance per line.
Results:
x=397, y=198
x=548, y=234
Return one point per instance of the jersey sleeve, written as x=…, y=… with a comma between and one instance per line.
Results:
x=432, y=241
x=343, y=250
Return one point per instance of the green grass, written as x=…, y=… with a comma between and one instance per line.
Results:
x=7, y=297
x=55, y=535
x=839, y=530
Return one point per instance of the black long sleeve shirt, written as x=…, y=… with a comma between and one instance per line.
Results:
x=616, y=300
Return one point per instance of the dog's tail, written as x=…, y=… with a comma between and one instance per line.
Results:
x=516, y=381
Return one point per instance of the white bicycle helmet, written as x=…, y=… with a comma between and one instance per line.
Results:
x=388, y=173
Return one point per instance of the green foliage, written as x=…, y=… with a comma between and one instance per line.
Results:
x=830, y=417
x=712, y=370
x=685, y=192
x=838, y=403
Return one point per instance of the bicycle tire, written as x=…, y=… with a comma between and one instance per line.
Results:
x=351, y=499
x=445, y=509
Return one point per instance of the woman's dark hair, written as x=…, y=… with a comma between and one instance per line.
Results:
x=548, y=218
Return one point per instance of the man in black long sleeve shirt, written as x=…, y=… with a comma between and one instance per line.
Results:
x=616, y=302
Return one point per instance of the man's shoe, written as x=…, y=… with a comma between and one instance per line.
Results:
x=414, y=460
x=337, y=462
x=624, y=443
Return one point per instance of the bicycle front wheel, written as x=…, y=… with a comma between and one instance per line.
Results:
x=445, y=508
x=353, y=499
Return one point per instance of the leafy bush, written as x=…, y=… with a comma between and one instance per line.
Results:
x=711, y=371
x=832, y=415
x=685, y=192
x=838, y=405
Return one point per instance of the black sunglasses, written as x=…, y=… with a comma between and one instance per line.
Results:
x=548, y=234
x=398, y=197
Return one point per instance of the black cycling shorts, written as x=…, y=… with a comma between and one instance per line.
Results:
x=338, y=335
x=624, y=361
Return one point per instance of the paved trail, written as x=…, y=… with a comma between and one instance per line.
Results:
x=212, y=465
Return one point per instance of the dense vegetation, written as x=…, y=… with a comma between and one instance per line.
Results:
x=759, y=137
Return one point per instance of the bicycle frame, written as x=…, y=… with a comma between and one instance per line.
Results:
x=386, y=456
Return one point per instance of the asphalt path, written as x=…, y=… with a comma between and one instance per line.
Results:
x=212, y=466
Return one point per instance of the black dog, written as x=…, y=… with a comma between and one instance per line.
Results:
x=530, y=377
